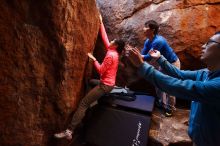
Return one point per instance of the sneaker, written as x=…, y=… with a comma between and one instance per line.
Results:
x=168, y=112
x=65, y=134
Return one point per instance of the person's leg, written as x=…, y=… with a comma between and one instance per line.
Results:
x=90, y=84
x=92, y=96
x=163, y=102
x=160, y=94
x=170, y=101
x=160, y=97
x=169, y=105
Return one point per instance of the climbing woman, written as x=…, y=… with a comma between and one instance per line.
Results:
x=107, y=71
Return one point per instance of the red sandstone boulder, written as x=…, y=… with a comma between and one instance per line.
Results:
x=43, y=60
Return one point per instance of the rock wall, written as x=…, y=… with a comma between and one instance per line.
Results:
x=43, y=60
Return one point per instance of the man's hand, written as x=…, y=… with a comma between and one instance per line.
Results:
x=91, y=57
x=135, y=58
x=154, y=54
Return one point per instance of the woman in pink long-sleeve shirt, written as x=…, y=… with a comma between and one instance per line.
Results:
x=107, y=71
x=109, y=66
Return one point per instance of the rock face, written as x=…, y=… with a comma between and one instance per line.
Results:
x=186, y=24
x=43, y=60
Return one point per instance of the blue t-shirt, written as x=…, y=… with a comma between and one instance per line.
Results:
x=159, y=43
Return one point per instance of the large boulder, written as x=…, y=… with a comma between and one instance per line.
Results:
x=43, y=60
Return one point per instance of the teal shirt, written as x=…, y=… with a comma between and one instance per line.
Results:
x=202, y=87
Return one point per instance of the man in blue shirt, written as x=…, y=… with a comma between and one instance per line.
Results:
x=200, y=86
x=157, y=42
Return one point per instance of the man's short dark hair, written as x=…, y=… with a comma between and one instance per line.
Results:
x=152, y=25
x=121, y=44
